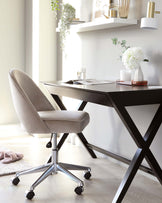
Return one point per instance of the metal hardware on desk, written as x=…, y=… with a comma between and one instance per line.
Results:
x=119, y=97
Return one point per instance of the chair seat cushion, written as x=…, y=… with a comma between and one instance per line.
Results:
x=65, y=121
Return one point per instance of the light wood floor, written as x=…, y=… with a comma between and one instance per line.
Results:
x=106, y=177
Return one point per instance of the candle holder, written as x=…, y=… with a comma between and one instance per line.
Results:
x=125, y=75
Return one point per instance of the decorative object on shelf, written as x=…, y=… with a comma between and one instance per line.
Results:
x=97, y=9
x=150, y=22
x=110, y=10
x=123, y=8
x=131, y=58
x=100, y=10
x=113, y=13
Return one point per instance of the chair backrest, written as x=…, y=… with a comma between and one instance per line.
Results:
x=27, y=100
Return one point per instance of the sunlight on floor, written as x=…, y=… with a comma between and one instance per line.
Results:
x=11, y=130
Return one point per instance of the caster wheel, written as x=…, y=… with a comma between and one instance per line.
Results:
x=87, y=175
x=49, y=145
x=15, y=181
x=78, y=190
x=30, y=194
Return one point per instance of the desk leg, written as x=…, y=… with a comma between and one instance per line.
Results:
x=143, y=150
x=85, y=143
x=131, y=172
x=80, y=135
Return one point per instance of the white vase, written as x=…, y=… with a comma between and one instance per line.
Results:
x=138, y=74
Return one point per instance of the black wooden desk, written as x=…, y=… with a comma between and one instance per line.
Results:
x=118, y=97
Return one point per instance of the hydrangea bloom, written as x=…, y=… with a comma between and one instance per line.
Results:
x=132, y=57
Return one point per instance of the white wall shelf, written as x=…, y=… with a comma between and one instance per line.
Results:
x=104, y=24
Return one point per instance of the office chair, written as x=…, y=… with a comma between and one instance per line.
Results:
x=37, y=115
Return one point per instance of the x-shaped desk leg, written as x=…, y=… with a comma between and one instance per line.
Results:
x=143, y=150
x=80, y=135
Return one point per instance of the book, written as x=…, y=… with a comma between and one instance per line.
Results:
x=89, y=82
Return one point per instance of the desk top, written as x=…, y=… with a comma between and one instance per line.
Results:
x=104, y=93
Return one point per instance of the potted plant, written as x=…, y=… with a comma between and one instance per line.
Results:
x=66, y=17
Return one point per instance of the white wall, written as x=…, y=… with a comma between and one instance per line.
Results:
x=47, y=45
x=12, y=51
x=99, y=57
x=16, y=31
x=28, y=36
x=47, y=42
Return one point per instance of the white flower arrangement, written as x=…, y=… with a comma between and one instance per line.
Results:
x=132, y=57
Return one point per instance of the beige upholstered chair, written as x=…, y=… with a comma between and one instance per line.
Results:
x=37, y=115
